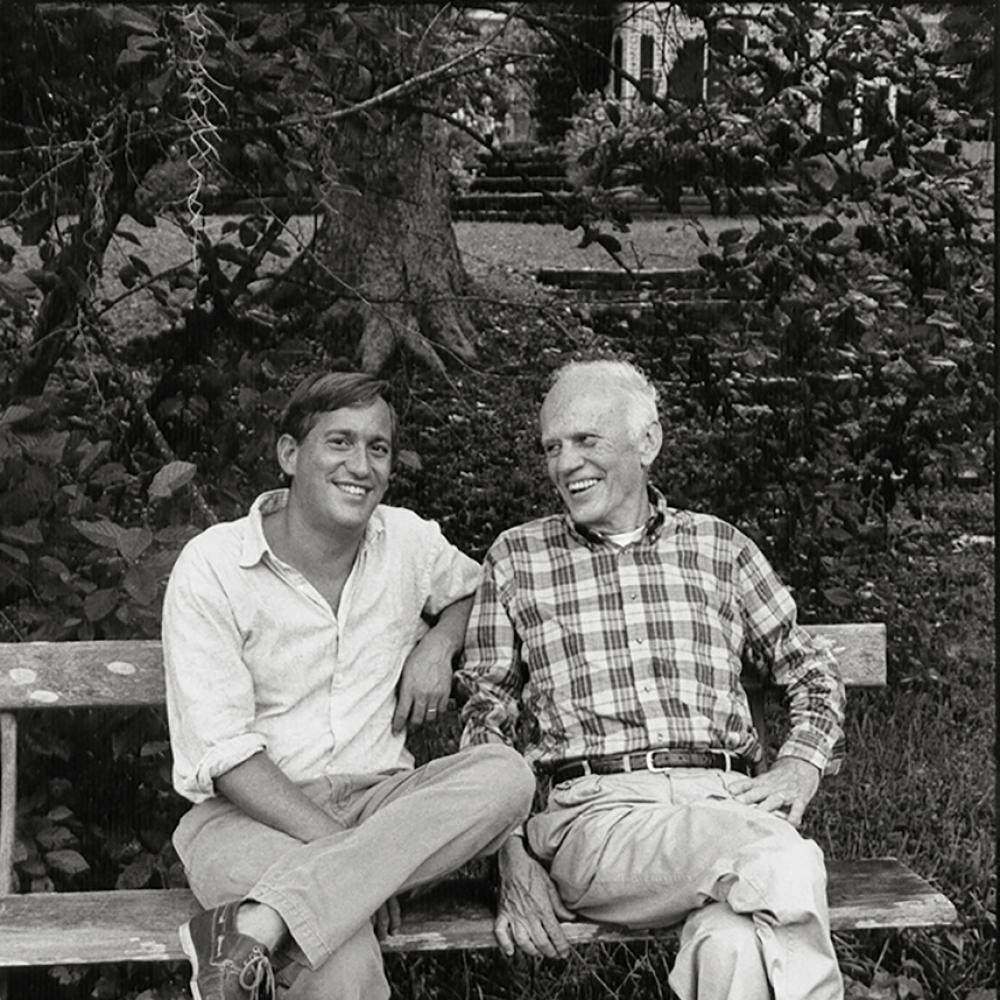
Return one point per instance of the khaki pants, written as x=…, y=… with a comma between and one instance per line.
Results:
x=399, y=831
x=653, y=849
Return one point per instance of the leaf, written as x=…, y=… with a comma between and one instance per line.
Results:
x=249, y=231
x=137, y=874
x=128, y=275
x=143, y=216
x=838, y=597
x=23, y=534
x=34, y=226
x=100, y=604
x=54, y=566
x=15, y=414
x=828, y=230
x=18, y=555
x=614, y=113
x=235, y=255
x=934, y=161
x=125, y=17
x=141, y=583
x=46, y=448
x=67, y=862
x=55, y=838
x=410, y=459
x=103, y=532
x=133, y=542
x=730, y=236
x=609, y=242
x=43, y=280
x=13, y=296
x=140, y=265
x=171, y=478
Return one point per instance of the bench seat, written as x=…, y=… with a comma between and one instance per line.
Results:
x=80, y=928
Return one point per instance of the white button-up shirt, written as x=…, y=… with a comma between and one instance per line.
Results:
x=256, y=659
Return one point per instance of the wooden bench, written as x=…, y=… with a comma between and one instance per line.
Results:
x=141, y=925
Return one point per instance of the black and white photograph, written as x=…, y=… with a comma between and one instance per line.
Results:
x=498, y=500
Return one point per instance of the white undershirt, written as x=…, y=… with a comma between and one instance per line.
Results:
x=624, y=538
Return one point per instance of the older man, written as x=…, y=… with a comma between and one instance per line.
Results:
x=608, y=641
x=299, y=641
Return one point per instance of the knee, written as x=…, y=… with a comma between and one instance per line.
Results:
x=791, y=880
x=506, y=780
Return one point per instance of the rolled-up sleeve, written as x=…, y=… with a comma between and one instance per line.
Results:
x=806, y=669
x=210, y=693
x=490, y=672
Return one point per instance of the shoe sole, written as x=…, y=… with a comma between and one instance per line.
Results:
x=189, y=949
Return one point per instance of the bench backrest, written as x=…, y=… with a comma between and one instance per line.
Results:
x=129, y=672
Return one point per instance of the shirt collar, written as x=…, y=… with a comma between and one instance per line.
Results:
x=658, y=514
x=255, y=545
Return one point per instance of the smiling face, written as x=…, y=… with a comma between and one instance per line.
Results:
x=340, y=469
x=598, y=449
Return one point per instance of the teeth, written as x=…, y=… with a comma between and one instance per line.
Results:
x=357, y=491
x=581, y=484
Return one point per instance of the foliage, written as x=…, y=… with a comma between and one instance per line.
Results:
x=853, y=364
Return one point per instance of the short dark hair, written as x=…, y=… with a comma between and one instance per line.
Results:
x=328, y=391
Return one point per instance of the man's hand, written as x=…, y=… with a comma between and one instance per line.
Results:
x=530, y=909
x=387, y=918
x=787, y=788
x=425, y=683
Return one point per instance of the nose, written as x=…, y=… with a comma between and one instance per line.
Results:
x=566, y=461
x=357, y=463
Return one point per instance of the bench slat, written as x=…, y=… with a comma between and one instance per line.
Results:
x=81, y=674
x=141, y=925
x=129, y=672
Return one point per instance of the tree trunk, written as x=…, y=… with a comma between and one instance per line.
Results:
x=388, y=250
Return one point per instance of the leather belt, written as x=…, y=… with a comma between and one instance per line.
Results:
x=649, y=760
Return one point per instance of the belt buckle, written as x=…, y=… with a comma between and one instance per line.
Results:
x=650, y=766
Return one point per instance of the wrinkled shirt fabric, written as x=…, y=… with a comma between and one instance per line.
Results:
x=256, y=659
x=578, y=647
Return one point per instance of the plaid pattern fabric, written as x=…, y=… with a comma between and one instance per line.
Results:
x=577, y=647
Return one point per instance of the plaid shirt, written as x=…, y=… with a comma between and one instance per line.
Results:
x=610, y=650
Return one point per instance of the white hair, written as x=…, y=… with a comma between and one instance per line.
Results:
x=643, y=397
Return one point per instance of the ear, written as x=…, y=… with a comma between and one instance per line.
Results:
x=287, y=450
x=650, y=443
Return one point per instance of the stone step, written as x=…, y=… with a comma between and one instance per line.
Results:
x=544, y=215
x=618, y=280
x=517, y=185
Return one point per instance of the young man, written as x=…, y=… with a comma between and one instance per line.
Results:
x=299, y=642
x=617, y=629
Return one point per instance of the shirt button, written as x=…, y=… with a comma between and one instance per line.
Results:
x=633, y=596
x=638, y=641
